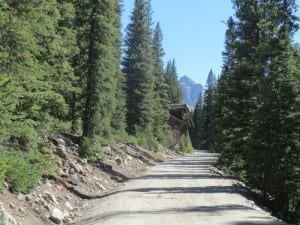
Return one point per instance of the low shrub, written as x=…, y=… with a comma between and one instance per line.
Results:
x=22, y=170
x=91, y=148
x=186, y=144
x=145, y=139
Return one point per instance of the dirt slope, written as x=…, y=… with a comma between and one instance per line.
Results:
x=180, y=191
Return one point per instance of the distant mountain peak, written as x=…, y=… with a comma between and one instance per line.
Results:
x=186, y=80
x=190, y=90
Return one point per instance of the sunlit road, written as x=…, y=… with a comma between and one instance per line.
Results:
x=180, y=191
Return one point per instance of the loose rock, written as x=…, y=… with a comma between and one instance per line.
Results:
x=74, y=179
x=61, y=151
x=57, y=216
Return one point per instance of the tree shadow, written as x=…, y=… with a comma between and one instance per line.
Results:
x=184, y=190
x=169, y=176
x=206, y=209
x=259, y=222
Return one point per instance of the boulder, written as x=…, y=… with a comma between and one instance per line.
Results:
x=74, y=179
x=61, y=151
x=57, y=216
x=77, y=167
x=11, y=205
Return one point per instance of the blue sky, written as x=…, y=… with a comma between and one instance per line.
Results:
x=193, y=32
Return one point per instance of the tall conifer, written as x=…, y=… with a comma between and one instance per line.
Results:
x=174, y=89
x=160, y=86
x=208, y=113
x=31, y=104
x=138, y=68
x=99, y=40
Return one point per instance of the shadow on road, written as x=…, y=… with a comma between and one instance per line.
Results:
x=260, y=222
x=181, y=176
x=184, y=190
x=206, y=209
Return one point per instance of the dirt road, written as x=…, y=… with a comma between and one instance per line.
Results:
x=180, y=191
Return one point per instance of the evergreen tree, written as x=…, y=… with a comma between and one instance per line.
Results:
x=138, y=68
x=118, y=121
x=99, y=45
x=274, y=143
x=222, y=133
x=160, y=87
x=30, y=106
x=63, y=77
x=196, y=131
x=242, y=72
x=208, y=113
x=257, y=102
x=174, y=89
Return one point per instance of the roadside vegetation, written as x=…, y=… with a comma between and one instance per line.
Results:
x=60, y=71
x=251, y=114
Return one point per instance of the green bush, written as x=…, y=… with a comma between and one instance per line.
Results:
x=22, y=170
x=145, y=139
x=91, y=148
x=168, y=140
x=3, y=170
x=186, y=144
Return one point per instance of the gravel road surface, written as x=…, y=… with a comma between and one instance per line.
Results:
x=181, y=191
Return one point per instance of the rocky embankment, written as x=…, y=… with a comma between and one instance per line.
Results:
x=58, y=197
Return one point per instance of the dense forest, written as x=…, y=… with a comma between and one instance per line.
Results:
x=65, y=68
x=61, y=70
x=251, y=115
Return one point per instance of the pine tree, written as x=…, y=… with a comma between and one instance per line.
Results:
x=222, y=133
x=275, y=135
x=118, y=121
x=174, y=89
x=30, y=106
x=242, y=72
x=160, y=87
x=138, y=68
x=99, y=40
x=257, y=99
x=208, y=113
x=196, y=131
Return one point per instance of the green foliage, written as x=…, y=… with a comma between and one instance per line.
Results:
x=23, y=170
x=204, y=116
x=91, y=148
x=101, y=64
x=145, y=139
x=196, y=131
x=32, y=53
x=256, y=125
x=186, y=144
x=161, y=114
x=171, y=77
x=138, y=68
x=168, y=139
x=118, y=121
x=60, y=71
x=3, y=170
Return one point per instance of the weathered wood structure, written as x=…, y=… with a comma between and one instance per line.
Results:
x=180, y=119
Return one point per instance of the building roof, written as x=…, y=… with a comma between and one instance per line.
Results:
x=180, y=107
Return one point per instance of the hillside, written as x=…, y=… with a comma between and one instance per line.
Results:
x=58, y=197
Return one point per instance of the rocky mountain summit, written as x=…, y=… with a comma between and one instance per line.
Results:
x=191, y=91
x=58, y=198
